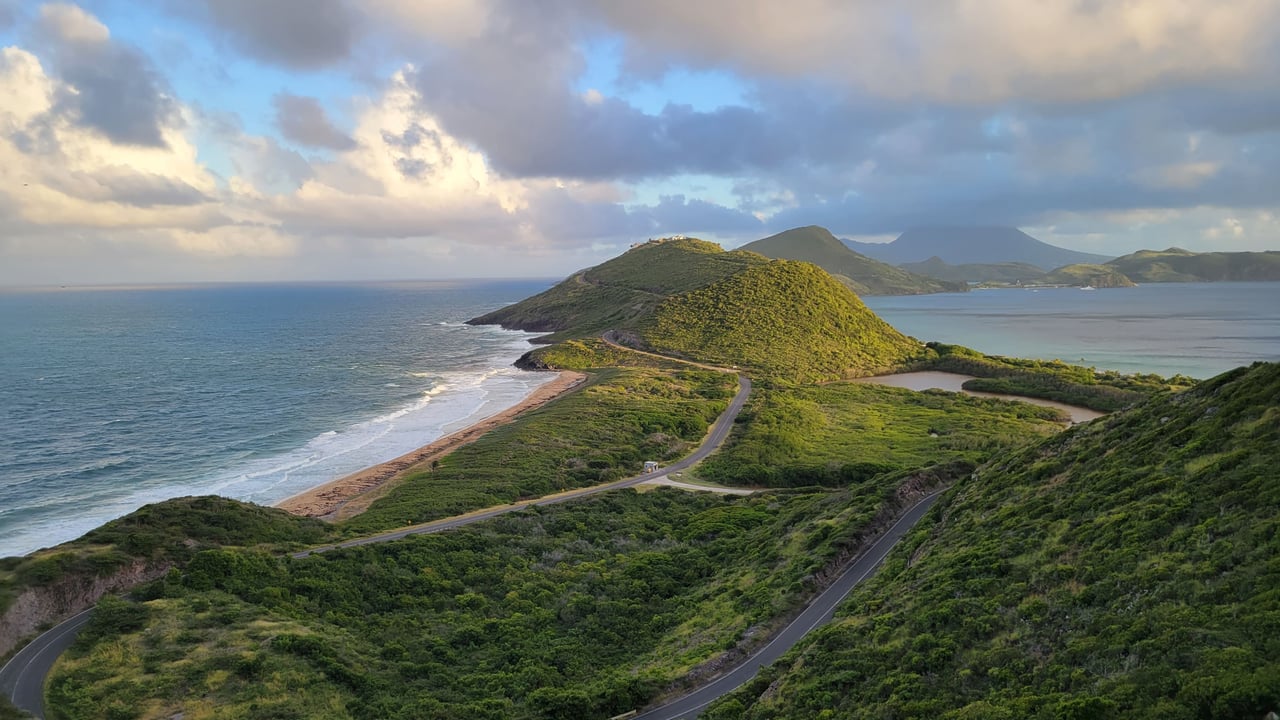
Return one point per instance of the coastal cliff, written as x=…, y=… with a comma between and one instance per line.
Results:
x=43, y=605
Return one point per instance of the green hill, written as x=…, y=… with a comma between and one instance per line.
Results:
x=862, y=274
x=1086, y=274
x=621, y=294
x=1124, y=569
x=1009, y=272
x=785, y=319
x=1178, y=265
x=781, y=318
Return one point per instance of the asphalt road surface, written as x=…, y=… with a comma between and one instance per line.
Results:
x=818, y=613
x=22, y=678
x=716, y=437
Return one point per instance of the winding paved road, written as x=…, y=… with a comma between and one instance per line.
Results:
x=816, y=614
x=22, y=678
x=715, y=438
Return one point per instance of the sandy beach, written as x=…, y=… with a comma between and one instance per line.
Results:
x=349, y=495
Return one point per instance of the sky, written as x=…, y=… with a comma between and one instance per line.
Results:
x=264, y=140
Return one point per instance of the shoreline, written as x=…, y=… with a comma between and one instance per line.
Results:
x=333, y=500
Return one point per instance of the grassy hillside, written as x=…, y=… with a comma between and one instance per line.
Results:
x=1010, y=272
x=1178, y=265
x=1126, y=568
x=786, y=320
x=603, y=432
x=842, y=433
x=1082, y=274
x=621, y=293
x=583, y=610
x=159, y=534
x=862, y=274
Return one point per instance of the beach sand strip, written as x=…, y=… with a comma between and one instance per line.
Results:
x=348, y=496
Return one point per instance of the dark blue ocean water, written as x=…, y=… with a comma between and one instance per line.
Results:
x=1197, y=329
x=110, y=399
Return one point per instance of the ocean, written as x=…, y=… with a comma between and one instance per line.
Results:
x=114, y=398
x=1195, y=329
x=111, y=399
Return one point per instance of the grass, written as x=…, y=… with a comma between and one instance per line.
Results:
x=840, y=432
x=603, y=432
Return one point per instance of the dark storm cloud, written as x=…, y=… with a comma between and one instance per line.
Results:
x=114, y=88
x=303, y=120
x=303, y=34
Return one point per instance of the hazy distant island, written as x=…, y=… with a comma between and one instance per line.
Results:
x=1007, y=257
x=1123, y=567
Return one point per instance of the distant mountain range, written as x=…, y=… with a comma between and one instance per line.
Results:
x=862, y=274
x=962, y=245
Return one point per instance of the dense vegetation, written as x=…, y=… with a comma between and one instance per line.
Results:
x=589, y=354
x=163, y=533
x=846, y=432
x=1104, y=391
x=1086, y=274
x=785, y=320
x=1127, y=568
x=602, y=432
x=1008, y=272
x=621, y=293
x=1178, y=265
x=578, y=611
x=863, y=275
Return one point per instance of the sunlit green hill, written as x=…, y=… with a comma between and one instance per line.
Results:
x=781, y=318
x=1086, y=274
x=786, y=319
x=1124, y=569
x=621, y=294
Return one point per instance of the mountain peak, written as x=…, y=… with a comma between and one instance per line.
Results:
x=969, y=244
x=866, y=276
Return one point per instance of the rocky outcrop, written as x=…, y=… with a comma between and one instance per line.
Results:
x=50, y=604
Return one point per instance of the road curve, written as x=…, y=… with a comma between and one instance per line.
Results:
x=22, y=678
x=715, y=438
x=816, y=614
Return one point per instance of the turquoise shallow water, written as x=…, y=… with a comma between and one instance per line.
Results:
x=110, y=399
x=1197, y=329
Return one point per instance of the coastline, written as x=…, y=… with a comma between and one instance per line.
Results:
x=349, y=495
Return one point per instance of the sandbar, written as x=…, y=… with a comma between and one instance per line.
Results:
x=339, y=498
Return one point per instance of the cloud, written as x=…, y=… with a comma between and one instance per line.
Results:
x=303, y=120
x=109, y=87
x=959, y=51
x=303, y=34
